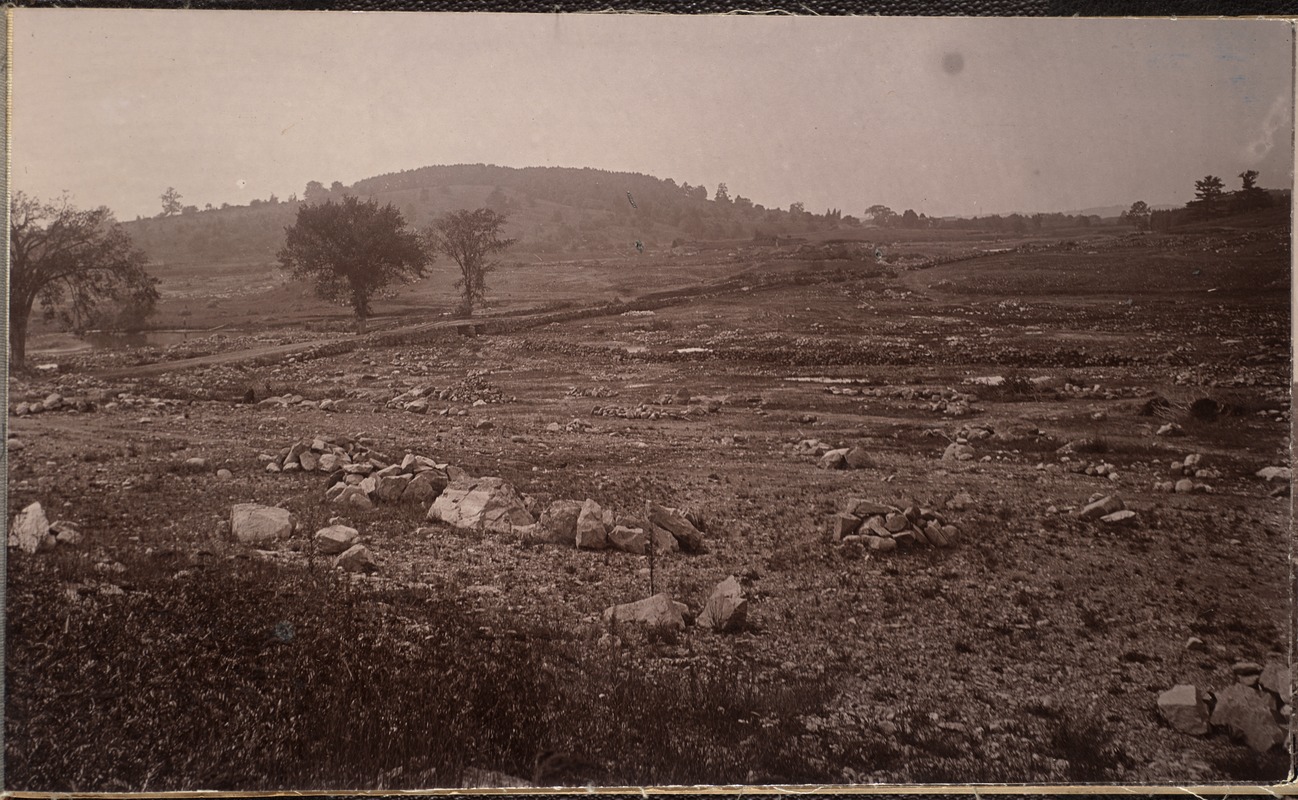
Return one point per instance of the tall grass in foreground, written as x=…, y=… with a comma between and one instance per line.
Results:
x=243, y=675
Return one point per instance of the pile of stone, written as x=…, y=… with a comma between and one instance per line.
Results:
x=1109, y=509
x=323, y=454
x=846, y=458
x=576, y=426
x=1256, y=708
x=415, y=479
x=587, y=526
x=53, y=402
x=1101, y=469
x=1190, y=467
x=959, y=450
x=473, y=390
x=948, y=401
x=298, y=401
x=591, y=391
x=647, y=411
x=1097, y=391
x=884, y=528
x=32, y=532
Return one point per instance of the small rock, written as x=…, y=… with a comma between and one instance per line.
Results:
x=1183, y=486
x=1274, y=474
x=834, y=459
x=224, y=474
x=629, y=540
x=958, y=452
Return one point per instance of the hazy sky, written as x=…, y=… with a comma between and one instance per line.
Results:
x=940, y=115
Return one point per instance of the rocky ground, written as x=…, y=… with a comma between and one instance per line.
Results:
x=923, y=531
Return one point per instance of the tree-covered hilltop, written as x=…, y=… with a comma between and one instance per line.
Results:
x=551, y=211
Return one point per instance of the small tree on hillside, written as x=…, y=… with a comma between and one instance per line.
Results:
x=1250, y=195
x=171, y=202
x=72, y=261
x=470, y=238
x=1138, y=215
x=352, y=250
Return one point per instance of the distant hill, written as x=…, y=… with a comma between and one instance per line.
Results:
x=552, y=210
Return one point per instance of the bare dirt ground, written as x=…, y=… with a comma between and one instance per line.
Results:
x=1034, y=650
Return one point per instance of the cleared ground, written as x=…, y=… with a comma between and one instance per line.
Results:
x=1032, y=651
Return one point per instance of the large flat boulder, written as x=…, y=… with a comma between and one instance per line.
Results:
x=480, y=504
x=658, y=611
x=253, y=523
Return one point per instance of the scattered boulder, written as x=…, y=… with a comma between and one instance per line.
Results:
x=629, y=540
x=1243, y=711
x=356, y=558
x=344, y=494
x=482, y=504
x=1275, y=474
x=253, y=523
x=1123, y=517
x=1277, y=679
x=30, y=530
x=559, y=521
x=673, y=521
x=1184, y=708
x=1106, y=505
x=591, y=534
x=958, y=452
x=726, y=610
x=335, y=539
x=424, y=487
x=858, y=458
x=835, y=459
x=658, y=611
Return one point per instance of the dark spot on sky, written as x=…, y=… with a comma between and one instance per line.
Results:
x=952, y=63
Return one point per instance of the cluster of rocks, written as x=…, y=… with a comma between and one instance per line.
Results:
x=53, y=402
x=256, y=524
x=415, y=479
x=949, y=402
x=1256, y=708
x=884, y=528
x=726, y=610
x=1109, y=509
x=576, y=426
x=647, y=411
x=846, y=458
x=591, y=391
x=1190, y=467
x=474, y=390
x=323, y=454
x=1098, y=392
x=1101, y=469
x=959, y=450
x=297, y=400
x=32, y=532
x=587, y=526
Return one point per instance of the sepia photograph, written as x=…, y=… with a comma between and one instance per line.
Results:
x=405, y=401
